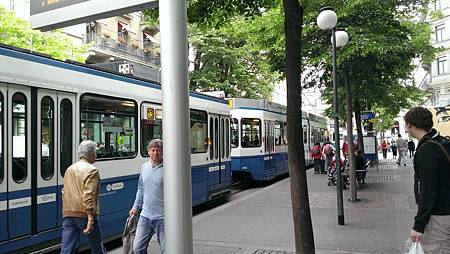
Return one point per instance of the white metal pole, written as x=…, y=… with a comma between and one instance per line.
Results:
x=175, y=97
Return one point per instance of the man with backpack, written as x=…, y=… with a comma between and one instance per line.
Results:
x=431, y=183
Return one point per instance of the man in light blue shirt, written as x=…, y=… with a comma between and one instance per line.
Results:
x=150, y=200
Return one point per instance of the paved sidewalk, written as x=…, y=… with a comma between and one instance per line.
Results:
x=261, y=222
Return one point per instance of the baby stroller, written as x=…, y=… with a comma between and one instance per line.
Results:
x=332, y=173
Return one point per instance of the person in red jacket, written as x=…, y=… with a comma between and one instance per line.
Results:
x=316, y=155
x=345, y=149
x=384, y=148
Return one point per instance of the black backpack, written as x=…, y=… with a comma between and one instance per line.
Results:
x=444, y=143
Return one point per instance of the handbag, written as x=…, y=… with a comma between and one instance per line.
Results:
x=416, y=248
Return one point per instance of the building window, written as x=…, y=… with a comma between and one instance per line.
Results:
x=437, y=5
x=122, y=31
x=441, y=65
x=440, y=33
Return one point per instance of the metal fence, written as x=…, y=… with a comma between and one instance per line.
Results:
x=124, y=49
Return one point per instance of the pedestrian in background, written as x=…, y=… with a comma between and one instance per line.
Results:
x=431, y=183
x=394, y=150
x=345, y=149
x=402, y=146
x=384, y=148
x=150, y=200
x=80, y=202
x=411, y=148
x=316, y=155
x=328, y=154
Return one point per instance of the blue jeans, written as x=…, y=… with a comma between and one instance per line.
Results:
x=72, y=229
x=146, y=228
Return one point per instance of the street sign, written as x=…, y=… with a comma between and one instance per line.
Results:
x=367, y=115
x=52, y=14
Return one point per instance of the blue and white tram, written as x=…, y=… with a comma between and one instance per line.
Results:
x=48, y=106
x=258, y=139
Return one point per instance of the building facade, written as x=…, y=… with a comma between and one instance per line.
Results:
x=436, y=79
x=124, y=42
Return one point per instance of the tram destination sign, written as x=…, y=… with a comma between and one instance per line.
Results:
x=52, y=14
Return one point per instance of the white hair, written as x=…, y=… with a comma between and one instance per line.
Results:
x=155, y=143
x=87, y=148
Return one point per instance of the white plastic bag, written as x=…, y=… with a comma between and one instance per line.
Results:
x=416, y=249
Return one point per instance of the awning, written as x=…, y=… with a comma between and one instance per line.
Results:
x=151, y=38
x=127, y=27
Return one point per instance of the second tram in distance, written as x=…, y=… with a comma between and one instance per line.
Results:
x=259, y=138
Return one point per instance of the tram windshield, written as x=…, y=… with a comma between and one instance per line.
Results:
x=251, y=132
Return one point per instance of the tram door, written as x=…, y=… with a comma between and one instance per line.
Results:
x=54, y=153
x=218, y=138
x=269, y=147
x=31, y=159
x=3, y=173
x=18, y=159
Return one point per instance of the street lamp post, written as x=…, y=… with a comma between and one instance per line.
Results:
x=327, y=20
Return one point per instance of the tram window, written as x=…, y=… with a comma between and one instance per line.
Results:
x=19, y=137
x=66, y=143
x=211, y=138
x=151, y=125
x=266, y=136
x=305, y=134
x=250, y=132
x=111, y=123
x=216, y=138
x=47, y=138
x=2, y=169
x=271, y=137
x=278, y=133
x=234, y=133
x=199, y=131
x=227, y=139
x=284, y=133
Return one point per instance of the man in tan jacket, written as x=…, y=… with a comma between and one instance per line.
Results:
x=80, y=202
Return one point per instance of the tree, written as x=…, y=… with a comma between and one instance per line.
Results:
x=18, y=33
x=216, y=14
x=223, y=58
x=224, y=61
x=380, y=52
x=304, y=237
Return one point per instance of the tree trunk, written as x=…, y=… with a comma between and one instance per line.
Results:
x=359, y=126
x=351, y=155
x=304, y=237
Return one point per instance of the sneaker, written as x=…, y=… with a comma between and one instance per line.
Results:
x=398, y=163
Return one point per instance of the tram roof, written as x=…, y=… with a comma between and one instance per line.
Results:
x=243, y=103
x=24, y=54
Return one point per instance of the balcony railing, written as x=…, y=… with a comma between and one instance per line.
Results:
x=124, y=49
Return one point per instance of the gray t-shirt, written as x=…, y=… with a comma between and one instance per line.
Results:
x=402, y=143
